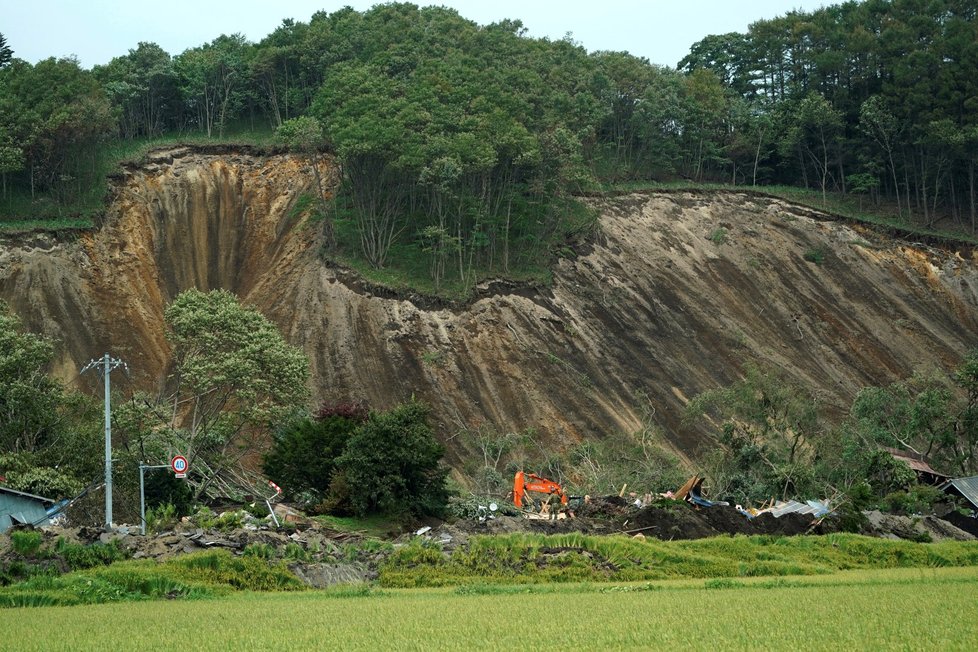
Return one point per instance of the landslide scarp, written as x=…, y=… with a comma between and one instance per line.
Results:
x=655, y=309
x=184, y=218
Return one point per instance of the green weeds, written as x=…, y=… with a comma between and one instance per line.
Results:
x=575, y=557
x=25, y=542
x=718, y=236
x=815, y=255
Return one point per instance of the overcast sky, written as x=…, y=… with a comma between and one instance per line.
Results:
x=97, y=30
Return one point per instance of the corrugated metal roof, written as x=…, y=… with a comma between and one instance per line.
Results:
x=914, y=463
x=968, y=488
x=7, y=490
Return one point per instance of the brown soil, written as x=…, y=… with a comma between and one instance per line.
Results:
x=652, y=306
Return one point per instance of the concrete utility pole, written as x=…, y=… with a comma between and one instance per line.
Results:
x=108, y=364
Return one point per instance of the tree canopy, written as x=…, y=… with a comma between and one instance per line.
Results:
x=465, y=140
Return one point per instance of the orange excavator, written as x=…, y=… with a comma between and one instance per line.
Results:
x=524, y=482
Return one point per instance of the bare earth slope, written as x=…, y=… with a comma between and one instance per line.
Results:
x=660, y=304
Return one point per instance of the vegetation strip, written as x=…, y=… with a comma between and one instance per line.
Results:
x=201, y=575
x=487, y=565
x=882, y=609
x=509, y=559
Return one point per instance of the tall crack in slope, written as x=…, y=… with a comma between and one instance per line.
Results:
x=652, y=311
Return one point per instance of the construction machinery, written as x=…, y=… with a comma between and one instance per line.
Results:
x=530, y=482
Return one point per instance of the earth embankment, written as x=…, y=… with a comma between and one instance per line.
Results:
x=673, y=294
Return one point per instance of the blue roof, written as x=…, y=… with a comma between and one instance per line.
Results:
x=8, y=490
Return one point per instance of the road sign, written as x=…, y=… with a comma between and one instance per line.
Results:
x=179, y=466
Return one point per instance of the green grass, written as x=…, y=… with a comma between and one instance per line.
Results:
x=534, y=559
x=370, y=526
x=719, y=236
x=19, y=213
x=895, y=609
x=206, y=574
x=407, y=269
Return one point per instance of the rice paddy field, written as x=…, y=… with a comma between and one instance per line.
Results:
x=904, y=608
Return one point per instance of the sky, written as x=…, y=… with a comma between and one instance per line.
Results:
x=95, y=31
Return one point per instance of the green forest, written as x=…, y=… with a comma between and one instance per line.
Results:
x=470, y=141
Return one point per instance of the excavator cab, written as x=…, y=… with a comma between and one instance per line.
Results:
x=525, y=483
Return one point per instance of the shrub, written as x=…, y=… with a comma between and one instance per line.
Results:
x=918, y=499
x=392, y=461
x=293, y=551
x=79, y=557
x=815, y=255
x=161, y=517
x=25, y=542
x=206, y=519
x=164, y=490
x=719, y=236
x=303, y=456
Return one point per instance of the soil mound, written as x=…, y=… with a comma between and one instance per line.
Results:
x=683, y=521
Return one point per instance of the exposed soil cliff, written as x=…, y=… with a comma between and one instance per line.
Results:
x=671, y=297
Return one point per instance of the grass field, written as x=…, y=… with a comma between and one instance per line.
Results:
x=882, y=609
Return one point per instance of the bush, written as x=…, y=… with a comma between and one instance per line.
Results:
x=392, y=461
x=303, y=456
x=161, y=517
x=79, y=557
x=918, y=499
x=25, y=542
x=207, y=520
x=815, y=255
x=719, y=236
x=165, y=490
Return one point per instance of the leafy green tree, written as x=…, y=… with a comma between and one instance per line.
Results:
x=304, y=135
x=706, y=111
x=233, y=376
x=11, y=160
x=861, y=184
x=143, y=85
x=6, y=54
x=30, y=400
x=815, y=132
x=659, y=123
x=57, y=115
x=729, y=57
x=213, y=78
x=304, y=452
x=391, y=464
x=880, y=125
x=375, y=131
x=930, y=415
x=48, y=435
x=767, y=430
x=622, y=81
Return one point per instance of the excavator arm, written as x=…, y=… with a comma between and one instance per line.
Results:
x=524, y=482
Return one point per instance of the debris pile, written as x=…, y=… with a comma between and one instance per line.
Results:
x=318, y=555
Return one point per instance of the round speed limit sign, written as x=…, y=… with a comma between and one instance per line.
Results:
x=179, y=465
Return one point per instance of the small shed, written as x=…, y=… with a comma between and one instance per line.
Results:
x=967, y=488
x=19, y=507
x=917, y=463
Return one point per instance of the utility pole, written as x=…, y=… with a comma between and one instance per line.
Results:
x=106, y=365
